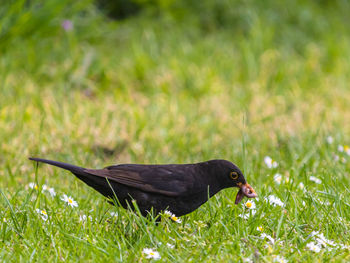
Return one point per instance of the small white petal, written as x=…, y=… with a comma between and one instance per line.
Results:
x=315, y=179
x=274, y=200
x=313, y=247
x=151, y=253
x=52, y=192
x=277, y=178
x=330, y=139
x=170, y=245
x=270, y=238
x=250, y=205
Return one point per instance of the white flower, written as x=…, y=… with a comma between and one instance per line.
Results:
x=336, y=157
x=83, y=218
x=52, y=192
x=33, y=186
x=44, y=187
x=270, y=238
x=274, y=200
x=69, y=200
x=279, y=259
x=315, y=179
x=170, y=245
x=314, y=233
x=340, y=148
x=167, y=213
x=172, y=216
x=330, y=139
x=314, y=247
x=342, y=246
x=347, y=149
x=247, y=260
x=322, y=240
x=151, y=253
x=175, y=218
x=250, y=205
x=4, y=220
x=244, y=216
x=270, y=163
x=260, y=228
x=114, y=214
x=42, y=213
x=247, y=215
x=278, y=178
x=301, y=186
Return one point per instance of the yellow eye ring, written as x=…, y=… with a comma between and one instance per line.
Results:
x=234, y=175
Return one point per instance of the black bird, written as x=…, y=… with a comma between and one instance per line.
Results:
x=179, y=188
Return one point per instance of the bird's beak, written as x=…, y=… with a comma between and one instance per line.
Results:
x=245, y=190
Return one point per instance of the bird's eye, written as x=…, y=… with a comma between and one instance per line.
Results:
x=234, y=175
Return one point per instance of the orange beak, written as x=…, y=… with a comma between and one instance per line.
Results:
x=245, y=190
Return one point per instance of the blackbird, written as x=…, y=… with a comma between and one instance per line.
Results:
x=180, y=188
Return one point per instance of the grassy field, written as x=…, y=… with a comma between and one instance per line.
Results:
x=237, y=81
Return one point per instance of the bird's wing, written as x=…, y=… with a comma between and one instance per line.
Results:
x=169, y=180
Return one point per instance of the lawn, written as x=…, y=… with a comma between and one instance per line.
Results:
x=240, y=80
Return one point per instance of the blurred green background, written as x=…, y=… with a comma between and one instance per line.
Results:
x=170, y=81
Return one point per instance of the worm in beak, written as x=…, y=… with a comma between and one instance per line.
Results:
x=245, y=190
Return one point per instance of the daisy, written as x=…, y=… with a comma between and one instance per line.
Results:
x=250, y=205
x=315, y=179
x=247, y=215
x=244, y=216
x=42, y=213
x=69, y=200
x=270, y=163
x=260, y=228
x=322, y=240
x=4, y=220
x=277, y=178
x=340, y=148
x=342, y=246
x=274, y=200
x=279, y=259
x=314, y=247
x=270, y=238
x=347, y=149
x=52, y=192
x=167, y=213
x=301, y=186
x=114, y=214
x=170, y=245
x=33, y=186
x=330, y=139
x=314, y=233
x=83, y=218
x=175, y=219
x=151, y=253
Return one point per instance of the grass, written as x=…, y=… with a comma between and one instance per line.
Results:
x=160, y=89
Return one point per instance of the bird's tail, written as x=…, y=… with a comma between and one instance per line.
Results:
x=70, y=167
x=99, y=183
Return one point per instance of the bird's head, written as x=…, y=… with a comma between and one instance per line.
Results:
x=231, y=176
